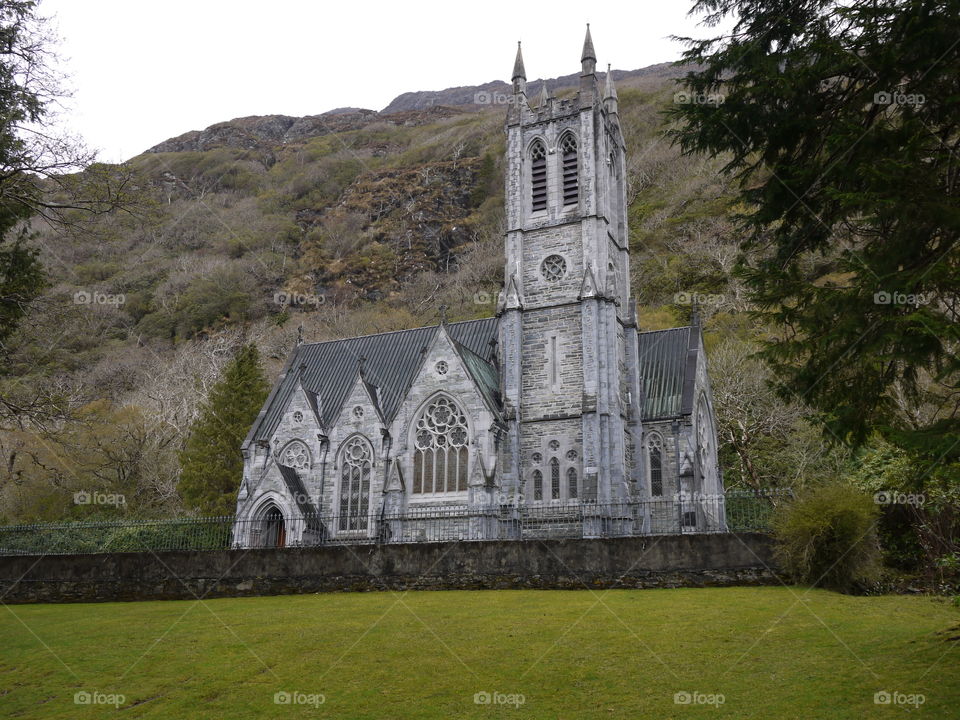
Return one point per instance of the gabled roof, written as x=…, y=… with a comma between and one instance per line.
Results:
x=391, y=362
x=299, y=494
x=484, y=374
x=667, y=360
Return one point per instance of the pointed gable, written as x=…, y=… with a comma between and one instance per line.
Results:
x=391, y=362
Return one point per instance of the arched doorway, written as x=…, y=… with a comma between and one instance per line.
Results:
x=273, y=530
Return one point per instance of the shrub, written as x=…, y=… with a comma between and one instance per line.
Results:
x=827, y=537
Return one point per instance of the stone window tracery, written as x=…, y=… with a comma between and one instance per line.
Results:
x=440, y=458
x=296, y=455
x=553, y=268
x=356, y=463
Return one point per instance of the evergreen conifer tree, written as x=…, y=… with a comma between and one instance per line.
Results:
x=210, y=462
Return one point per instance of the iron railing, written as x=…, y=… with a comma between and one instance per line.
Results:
x=736, y=511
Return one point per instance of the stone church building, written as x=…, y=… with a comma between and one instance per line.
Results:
x=557, y=407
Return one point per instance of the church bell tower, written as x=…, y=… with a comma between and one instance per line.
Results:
x=568, y=335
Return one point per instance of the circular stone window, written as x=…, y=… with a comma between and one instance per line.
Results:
x=571, y=455
x=441, y=367
x=553, y=268
x=358, y=412
x=298, y=416
x=554, y=445
x=536, y=457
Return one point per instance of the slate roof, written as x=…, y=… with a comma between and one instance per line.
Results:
x=391, y=361
x=667, y=371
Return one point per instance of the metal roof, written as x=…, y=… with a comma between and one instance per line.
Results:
x=667, y=371
x=390, y=363
x=484, y=375
x=328, y=370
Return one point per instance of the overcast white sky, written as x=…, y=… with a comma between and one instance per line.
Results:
x=142, y=72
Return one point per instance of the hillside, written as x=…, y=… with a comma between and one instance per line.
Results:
x=344, y=223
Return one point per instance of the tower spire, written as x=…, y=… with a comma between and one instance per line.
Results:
x=588, y=59
x=519, y=77
x=610, y=95
x=544, y=95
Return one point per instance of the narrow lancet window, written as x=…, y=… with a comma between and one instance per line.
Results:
x=538, y=176
x=571, y=181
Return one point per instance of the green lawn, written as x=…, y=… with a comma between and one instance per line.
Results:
x=770, y=652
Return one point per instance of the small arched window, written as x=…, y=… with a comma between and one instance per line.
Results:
x=572, y=489
x=296, y=455
x=440, y=460
x=554, y=479
x=356, y=463
x=537, y=485
x=655, y=448
x=538, y=176
x=571, y=181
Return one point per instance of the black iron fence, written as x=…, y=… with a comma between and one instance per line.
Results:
x=736, y=511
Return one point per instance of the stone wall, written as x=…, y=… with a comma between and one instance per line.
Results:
x=640, y=562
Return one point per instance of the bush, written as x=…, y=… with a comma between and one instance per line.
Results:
x=827, y=537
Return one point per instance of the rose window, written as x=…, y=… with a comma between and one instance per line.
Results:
x=553, y=268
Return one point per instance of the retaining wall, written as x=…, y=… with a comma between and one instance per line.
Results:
x=636, y=562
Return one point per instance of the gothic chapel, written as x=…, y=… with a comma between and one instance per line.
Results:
x=558, y=402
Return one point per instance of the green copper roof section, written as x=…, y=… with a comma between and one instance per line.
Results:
x=664, y=371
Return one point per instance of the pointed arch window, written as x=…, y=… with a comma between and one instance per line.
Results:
x=296, y=455
x=537, y=485
x=571, y=179
x=538, y=176
x=356, y=463
x=655, y=450
x=572, y=487
x=554, y=479
x=440, y=458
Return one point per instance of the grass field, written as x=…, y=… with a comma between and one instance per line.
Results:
x=769, y=652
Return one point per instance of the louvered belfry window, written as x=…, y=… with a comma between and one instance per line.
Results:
x=571, y=180
x=538, y=176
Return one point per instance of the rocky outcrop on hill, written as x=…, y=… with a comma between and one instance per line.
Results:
x=266, y=131
x=407, y=109
x=491, y=92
